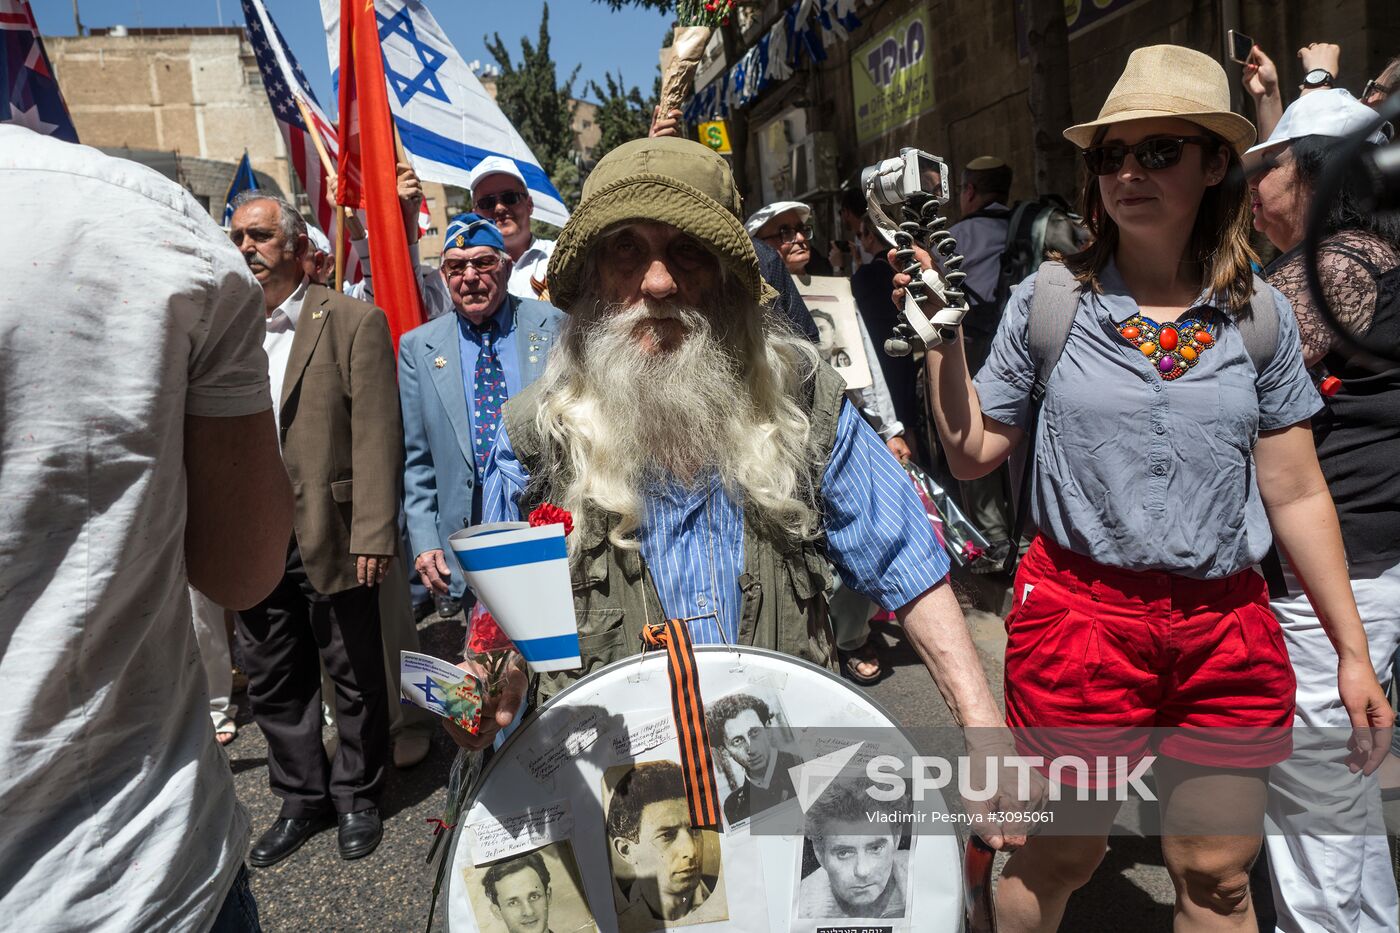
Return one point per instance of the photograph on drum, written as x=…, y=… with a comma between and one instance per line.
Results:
x=666, y=872
x=540, y=891
x=754, y=751
x=854, y=861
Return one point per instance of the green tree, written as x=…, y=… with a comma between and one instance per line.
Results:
x=533, y=99
x=623, y=114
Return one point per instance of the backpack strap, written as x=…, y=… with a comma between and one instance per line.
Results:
x=1260, y=328
x=1054, y=301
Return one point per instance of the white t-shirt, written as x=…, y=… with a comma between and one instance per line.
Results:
x=123, y=308
x=534, y=262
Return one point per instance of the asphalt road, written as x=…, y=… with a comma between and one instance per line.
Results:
x=390, y=889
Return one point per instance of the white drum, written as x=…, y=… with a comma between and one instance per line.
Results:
x=576, y=825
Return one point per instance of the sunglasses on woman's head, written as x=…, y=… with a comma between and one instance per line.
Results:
x=1154, y=153
x=508, y=198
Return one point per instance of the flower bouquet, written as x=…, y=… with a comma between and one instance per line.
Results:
x=695, y=21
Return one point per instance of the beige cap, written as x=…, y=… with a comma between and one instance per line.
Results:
x=1170, y=81
x=982, y=163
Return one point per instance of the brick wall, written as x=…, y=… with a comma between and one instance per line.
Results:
x=980, y=82
x=198, y=95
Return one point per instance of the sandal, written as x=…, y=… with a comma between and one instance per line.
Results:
x=864, y=656
x=225, y=731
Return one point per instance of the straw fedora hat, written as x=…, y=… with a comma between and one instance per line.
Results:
x=1170, y=81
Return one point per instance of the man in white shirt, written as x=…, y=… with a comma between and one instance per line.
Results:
x=139, y=453
x=499, y=194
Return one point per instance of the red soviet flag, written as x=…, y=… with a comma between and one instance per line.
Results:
x=368, y=166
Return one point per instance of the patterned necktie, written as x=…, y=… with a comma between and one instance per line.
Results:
x=488, y=395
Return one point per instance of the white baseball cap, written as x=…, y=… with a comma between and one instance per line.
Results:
x=766, y=213
x=318, y=239
x=1329, y=112
x=495, y=165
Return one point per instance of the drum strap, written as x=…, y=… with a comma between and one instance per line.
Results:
x=689, y=714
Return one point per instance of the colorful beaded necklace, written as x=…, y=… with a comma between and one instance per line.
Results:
x=1172, y=348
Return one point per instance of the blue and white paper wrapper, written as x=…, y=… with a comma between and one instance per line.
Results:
x=521, y=574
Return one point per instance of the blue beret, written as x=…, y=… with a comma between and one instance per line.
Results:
x=467, y=230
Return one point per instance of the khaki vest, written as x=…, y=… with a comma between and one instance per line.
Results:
x=783, y=590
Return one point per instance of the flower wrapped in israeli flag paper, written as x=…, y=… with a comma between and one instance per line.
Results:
x=521, y=573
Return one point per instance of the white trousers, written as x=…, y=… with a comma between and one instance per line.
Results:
x=1342, y=882
x=212, y=639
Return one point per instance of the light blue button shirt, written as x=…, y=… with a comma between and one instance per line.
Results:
x=877, y=533
x=469, y=346
x=1136, y=471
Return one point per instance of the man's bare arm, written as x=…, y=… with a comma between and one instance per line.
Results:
x=936, y=628
x=240, y=508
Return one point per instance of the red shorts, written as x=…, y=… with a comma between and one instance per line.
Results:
x=1139, y=661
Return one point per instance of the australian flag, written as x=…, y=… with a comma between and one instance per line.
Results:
x=29, y=94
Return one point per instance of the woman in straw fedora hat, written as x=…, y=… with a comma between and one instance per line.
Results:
x=1168, y=444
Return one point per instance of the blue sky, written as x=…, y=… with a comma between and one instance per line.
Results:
x=582, y=32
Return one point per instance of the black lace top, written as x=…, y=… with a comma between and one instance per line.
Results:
x=1358, y=434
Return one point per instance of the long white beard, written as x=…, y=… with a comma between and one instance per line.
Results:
x=616, y=419
x=668, y=412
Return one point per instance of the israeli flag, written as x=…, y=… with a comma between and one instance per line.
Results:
x=521, y=574
x=445, y=117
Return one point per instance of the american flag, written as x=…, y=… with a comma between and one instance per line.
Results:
x=283, y=79
x=29, y=93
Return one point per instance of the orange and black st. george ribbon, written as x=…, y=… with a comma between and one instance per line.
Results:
x=689, y=713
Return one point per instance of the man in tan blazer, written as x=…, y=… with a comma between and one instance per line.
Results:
x=331, y=363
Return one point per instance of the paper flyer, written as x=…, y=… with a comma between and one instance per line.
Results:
x=496, y=838
x=441, y=688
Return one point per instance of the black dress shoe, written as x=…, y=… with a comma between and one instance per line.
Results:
x=283, y=838
x=359, y=833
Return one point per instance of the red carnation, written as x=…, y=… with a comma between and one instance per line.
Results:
x=550, y=514
x=486, y=634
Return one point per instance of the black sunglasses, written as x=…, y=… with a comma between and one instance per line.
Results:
x=1375, y=87
x=1154, y=153
x=508, y=198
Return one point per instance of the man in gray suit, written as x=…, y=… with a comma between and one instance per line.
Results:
x=455, y=374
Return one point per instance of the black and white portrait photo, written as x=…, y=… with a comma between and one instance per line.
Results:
x=853, y=866
x=753, y=748
x=537, y=892
x=667, y=871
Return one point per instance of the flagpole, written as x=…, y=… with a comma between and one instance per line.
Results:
x=339, y=251
x=315, y=135
x=332, y=179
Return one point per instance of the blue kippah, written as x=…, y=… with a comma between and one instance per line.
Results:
x=466, y=230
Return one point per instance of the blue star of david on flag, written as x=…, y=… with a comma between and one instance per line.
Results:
x=427, y=686
x=426, y=81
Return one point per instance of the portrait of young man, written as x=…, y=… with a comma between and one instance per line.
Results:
x=742, y=729
x=860, y=870
x=539, y=891
x=659, y=859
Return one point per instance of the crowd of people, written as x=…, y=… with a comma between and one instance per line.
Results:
x=199, y=425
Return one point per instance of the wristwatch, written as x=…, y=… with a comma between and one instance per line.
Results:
x=1318, y=77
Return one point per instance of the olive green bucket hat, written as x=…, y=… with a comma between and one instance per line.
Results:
x=665, y=180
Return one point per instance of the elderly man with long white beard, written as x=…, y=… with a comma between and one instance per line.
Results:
x=713, y=469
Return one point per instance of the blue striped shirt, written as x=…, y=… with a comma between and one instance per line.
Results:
x=692, y=539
